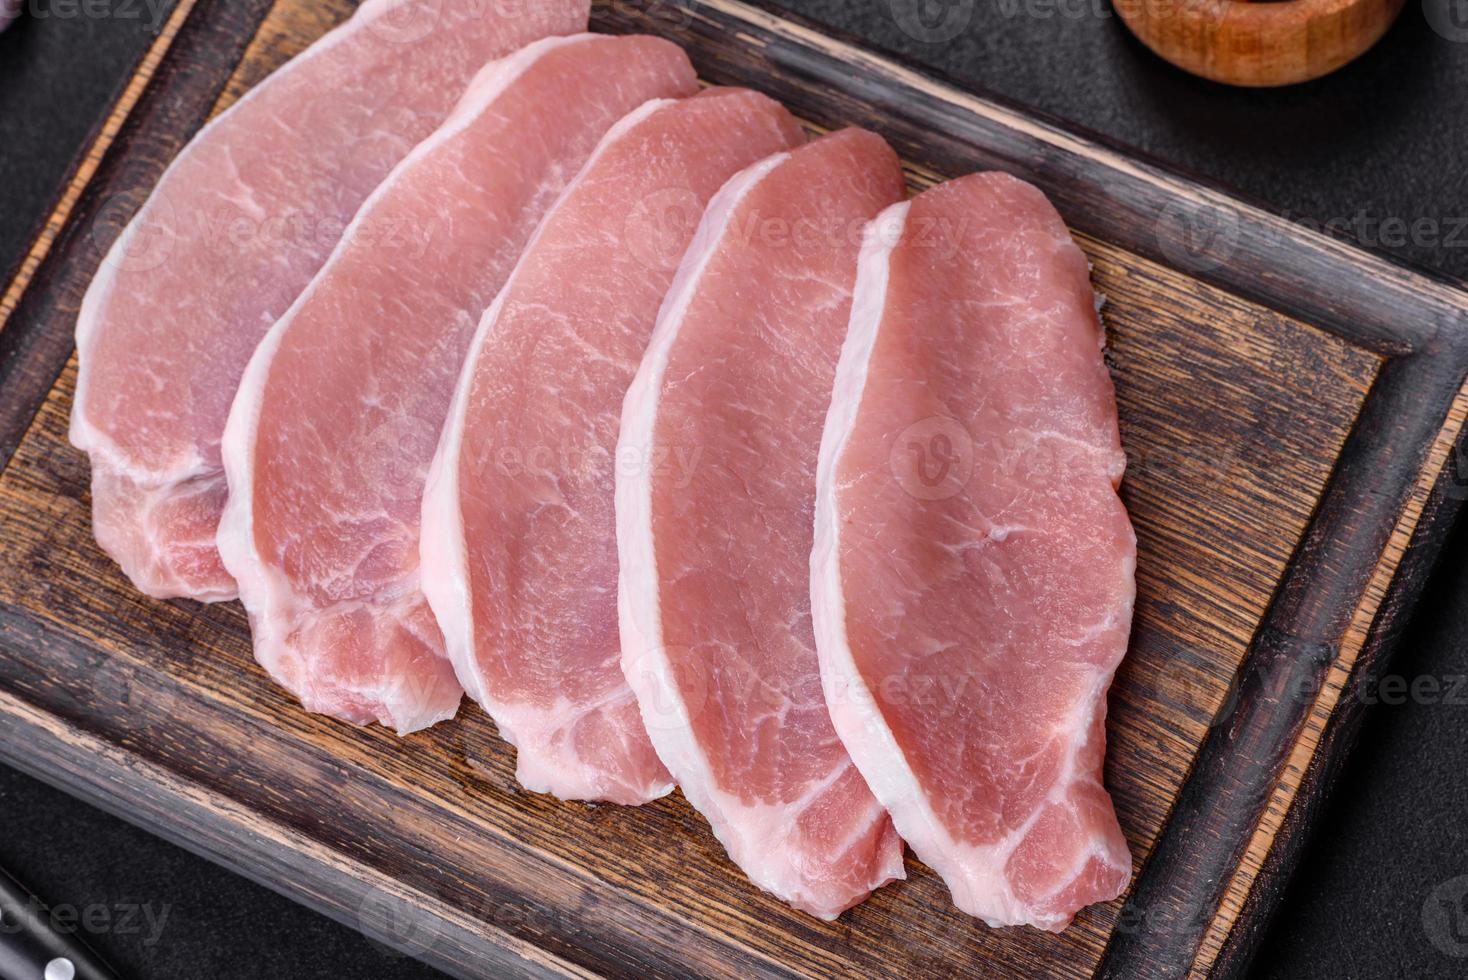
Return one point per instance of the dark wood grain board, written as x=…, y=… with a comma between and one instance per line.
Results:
x=1289, y=405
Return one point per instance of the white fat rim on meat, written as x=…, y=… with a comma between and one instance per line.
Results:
x=865, y=735
x=263, y=588
x=83, y=434
x=443, y=556
x=974, y=875
x=759, y=850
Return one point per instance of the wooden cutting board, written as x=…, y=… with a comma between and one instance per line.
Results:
x=1291, y=406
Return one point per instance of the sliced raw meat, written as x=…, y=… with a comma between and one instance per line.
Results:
x=339, y=411
x=235, y=229
x=519, y=549
x=972, y=578
x=715, y=554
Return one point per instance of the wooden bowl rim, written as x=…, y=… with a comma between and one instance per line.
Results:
x=1271, y=20
x=1260, y=13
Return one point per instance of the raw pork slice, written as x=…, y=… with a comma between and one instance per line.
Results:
x=235, y=229
x=339, y=411
x=715, y=561
x=972, y=578
x=519, y=537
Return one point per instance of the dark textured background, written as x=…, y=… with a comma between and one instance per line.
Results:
x=1382, y=146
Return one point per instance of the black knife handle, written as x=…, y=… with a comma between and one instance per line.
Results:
x=32, y=948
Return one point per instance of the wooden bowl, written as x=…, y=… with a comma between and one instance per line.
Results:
x=1259, y=44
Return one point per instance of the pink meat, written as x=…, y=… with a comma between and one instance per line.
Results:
x=715, y=532
x=238, y=225
x=339, y=411
x=972, y=578
x=519, y=551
